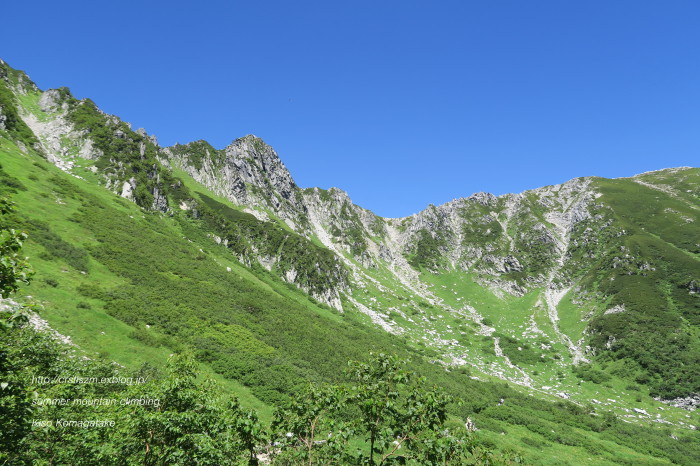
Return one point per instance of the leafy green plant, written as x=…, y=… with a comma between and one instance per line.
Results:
x=14, y=269
x=308, y=430
x=399, y=416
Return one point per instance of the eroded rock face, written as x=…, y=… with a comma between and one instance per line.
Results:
x=495, y=236
x=259, y=165
x=50, y=101
x=59, y=139
x=250, y=173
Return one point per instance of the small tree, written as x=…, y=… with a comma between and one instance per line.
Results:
x=188, y=424
x=401, y=417
x=393, y=410
x=307, y=431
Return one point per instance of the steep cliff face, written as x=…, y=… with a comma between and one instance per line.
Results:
x=248, y=172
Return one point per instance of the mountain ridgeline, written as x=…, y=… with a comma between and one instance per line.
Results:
x=625, y=250
x=568, y=291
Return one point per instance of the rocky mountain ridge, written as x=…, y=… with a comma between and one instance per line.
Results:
x=249, y=173
x=564, y=275
x=253, y=176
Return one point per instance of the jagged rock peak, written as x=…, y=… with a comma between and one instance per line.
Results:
x=247, y=172
x=256, y=161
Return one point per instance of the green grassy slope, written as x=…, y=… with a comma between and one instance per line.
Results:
x=107, y=270
x=649, y=272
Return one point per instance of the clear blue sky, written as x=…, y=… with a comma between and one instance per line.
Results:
x=400, y=103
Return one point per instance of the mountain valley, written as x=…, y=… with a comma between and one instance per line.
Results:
x=572, y=301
